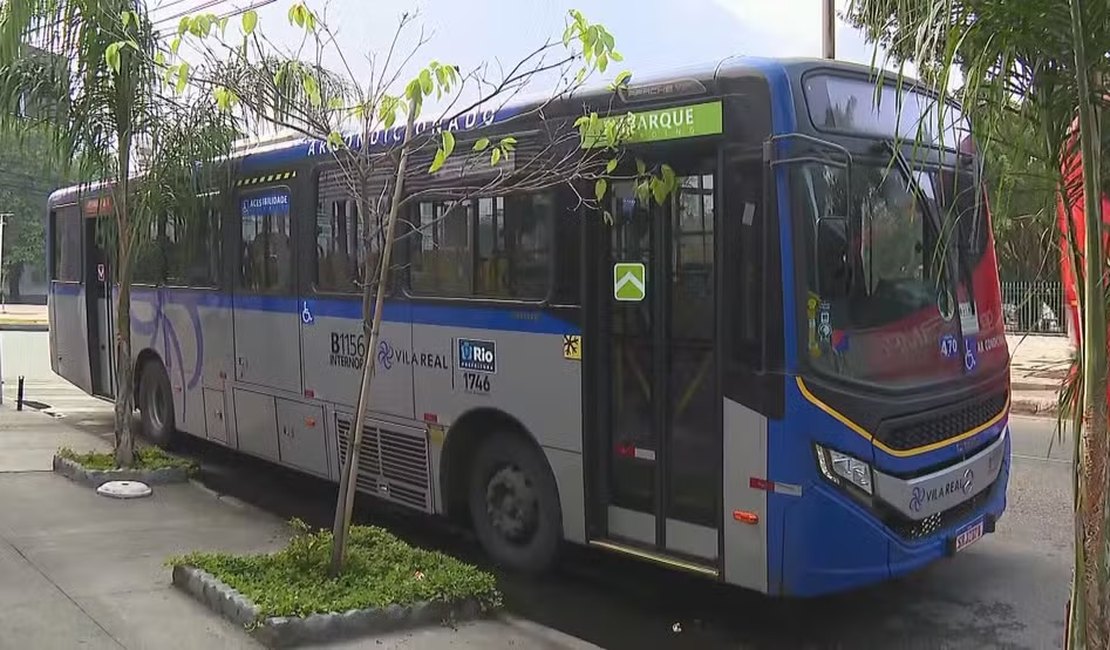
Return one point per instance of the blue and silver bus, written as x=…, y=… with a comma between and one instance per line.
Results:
x=790, y=375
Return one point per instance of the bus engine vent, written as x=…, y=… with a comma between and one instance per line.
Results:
x=921, y=432
x=393, y=461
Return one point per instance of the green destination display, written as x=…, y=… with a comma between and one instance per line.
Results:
x=663, y=124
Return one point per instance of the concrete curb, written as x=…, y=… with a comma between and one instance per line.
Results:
x=94, y=478
x=287, y=631
x=24, y=327
x=1033, y=407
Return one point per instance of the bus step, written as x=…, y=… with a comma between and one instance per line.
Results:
x=658, y=558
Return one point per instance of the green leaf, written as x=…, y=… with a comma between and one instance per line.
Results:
x=482, y=144
x=223, y=98
x=182, y=77
x=599, y=189
x=610, y=166
x=175, y=44
x=437, y=162
x=184, y=25
x=608, y=217
x=111, y=56
x=223, y=25
x=607, y=38
x=641, y=168
x=581, y=75
x=335, y=103
x=159, y=58
x=616, y=56
x=250, y=21
x=335, y=140
x=448, y=143
x=670, y=180
x=508, y=143
x=658, y=190
x=495, y=157
x=126, y=17
x=311, y=88
x=426, y=81
x=602, y=62
x=622, y=77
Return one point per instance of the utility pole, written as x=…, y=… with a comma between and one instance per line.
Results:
x=3, y=298
x=828, y=29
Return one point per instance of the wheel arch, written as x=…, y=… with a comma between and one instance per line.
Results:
x=462, y=440
x=145, y=355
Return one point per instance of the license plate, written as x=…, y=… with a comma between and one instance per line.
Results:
x=969, y=535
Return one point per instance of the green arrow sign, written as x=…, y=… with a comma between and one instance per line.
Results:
x=629, y=281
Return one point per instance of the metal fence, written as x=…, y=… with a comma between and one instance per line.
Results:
x=1034, y=307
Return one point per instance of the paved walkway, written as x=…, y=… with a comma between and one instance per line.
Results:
x=80, y=570
x=23, y=316
x=1038, y=368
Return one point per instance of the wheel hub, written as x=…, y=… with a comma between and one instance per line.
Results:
x=512, y=504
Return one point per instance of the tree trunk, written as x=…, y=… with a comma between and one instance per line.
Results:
x=1089, y=627
x=15, y=274
x=346, y=500
x=125, y=382
x=125, y=376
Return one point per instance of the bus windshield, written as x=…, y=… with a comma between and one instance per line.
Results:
x=912, y=291
x=884, y=328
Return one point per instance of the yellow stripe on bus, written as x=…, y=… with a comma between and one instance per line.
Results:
x=902, y=453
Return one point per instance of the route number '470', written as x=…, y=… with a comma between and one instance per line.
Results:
x=475, y=383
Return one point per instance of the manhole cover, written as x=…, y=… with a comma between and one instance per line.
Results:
x=124, y=489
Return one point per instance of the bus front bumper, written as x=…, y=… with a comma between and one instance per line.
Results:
x=831, y=543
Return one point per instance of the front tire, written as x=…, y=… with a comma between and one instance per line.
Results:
x=514, y=504
x=156, y=405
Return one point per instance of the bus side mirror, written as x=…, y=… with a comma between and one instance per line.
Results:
x=833, y=268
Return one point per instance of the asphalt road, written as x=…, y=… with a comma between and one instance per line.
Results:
x=1006, y=591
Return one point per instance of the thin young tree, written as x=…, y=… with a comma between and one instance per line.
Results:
x=100, y=109
x=342, y=110
x=1046, y=65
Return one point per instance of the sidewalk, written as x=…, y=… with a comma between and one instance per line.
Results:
x=1038, y=367
x=81, y=570
x=23, y=317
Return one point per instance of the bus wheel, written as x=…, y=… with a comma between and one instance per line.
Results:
x=514, y=504
x=156, y=404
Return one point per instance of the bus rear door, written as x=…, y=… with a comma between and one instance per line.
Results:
x=99, y=297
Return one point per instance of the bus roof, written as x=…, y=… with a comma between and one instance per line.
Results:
x=288, y=151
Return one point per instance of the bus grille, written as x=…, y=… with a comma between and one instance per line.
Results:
x=392, y=462
x=913, y=530
x=922, y=432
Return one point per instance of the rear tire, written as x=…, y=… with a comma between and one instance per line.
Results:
x=514, y=504
x=156, y=405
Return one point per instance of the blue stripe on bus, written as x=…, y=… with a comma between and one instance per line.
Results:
x=510, y=319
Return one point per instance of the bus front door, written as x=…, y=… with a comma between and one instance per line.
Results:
x=659, y=450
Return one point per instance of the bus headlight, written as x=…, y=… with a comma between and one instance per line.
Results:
x=837, y=466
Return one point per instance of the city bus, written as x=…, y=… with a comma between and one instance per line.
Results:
x=788, y=375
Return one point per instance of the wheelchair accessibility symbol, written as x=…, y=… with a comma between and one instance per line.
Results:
x=306, y=314
x=970, y=359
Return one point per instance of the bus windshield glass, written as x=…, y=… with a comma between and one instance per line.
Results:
x=852, y=106
x=882, y=319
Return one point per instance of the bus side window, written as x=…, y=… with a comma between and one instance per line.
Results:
x=193, y=249
x=744, y=260
x=266, y=249
x=341, y=237
x=67, y=245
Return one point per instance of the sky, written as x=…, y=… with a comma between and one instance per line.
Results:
x=652, y=35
